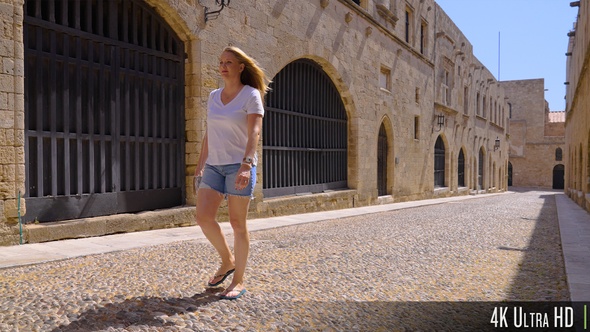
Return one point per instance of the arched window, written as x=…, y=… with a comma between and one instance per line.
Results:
x=461, y=169
x=382, y=148
x=439, y=163
x=104, y=109
x=558, y=154
x=304, y=132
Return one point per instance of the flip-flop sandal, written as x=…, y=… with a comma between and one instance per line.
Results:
x=225, y=275
x=225, y=297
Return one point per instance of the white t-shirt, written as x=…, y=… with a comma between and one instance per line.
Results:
x=227, y=125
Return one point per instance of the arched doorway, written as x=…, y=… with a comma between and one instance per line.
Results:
x=439, y=163
x=480, y=170
x=304, y=133
x=509, y=174
x=382, y=150
x=104, y=109
x=558, y=176
x=461, y=169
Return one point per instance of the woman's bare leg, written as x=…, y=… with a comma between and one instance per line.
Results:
x=238, y=212
x=208, y=201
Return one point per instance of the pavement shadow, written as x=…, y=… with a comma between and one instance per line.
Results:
x=543, y=259
x=139, y=311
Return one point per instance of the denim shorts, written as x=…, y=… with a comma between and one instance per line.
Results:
x=222, y=178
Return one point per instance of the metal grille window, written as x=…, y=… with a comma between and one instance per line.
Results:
x=103, y=109
x=304, y=133
x=461, y=169
x=439, y=163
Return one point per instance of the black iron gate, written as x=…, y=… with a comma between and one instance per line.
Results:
x=304, y=133
x=382, y=162
x=104, y=105
x=461, y=169
x=439, y=163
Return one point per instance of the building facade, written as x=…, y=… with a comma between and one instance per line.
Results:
x=577, y=124
x=102, y=117
x=537, y=137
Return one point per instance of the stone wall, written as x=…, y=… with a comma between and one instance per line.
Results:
x=577, y=133
x=12, y=163
x=533, y=138
x=352, y=45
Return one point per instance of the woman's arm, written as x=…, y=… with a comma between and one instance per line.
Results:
x=202, y=156
x=254, y=128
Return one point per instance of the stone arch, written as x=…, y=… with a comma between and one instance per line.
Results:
x=338, y=80
x=481, y=169
x=188, y=27
x=108, y=165
x=385, y=157
x=305, y=132
x=441, y=161
x=462, y=168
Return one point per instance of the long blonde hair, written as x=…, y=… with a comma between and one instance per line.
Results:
x=252, y=75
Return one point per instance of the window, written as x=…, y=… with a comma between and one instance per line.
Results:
x=484, y=104
x=466, y=100
x=477, y=104
x=385, y=78
x=416, y=127
x=446, y=98
x=408, y=25
x=423, y=32
x=509, y=110
x=304, y=140
x=417, y=95
x=558, y=154
x=496, y=112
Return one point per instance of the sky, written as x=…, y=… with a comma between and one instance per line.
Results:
x=532, y=37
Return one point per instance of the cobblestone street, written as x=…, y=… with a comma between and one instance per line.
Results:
x=377, y=272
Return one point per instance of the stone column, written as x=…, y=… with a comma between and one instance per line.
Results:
x=12, y=115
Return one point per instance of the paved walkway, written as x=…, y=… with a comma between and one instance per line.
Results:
x=574, y=224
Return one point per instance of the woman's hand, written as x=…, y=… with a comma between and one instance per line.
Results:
x=199, y=172
x=243, y=177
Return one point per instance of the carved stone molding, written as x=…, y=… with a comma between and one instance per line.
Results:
x=387, y=14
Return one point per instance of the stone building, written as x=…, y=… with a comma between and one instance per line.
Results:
x=577, y=122
x=537, y=136
x=103, y=109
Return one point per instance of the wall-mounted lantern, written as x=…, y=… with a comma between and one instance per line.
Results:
x=497, y=143
x=211, y=15
x=440, y=121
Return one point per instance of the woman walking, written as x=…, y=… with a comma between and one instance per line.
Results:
x=227, y=164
